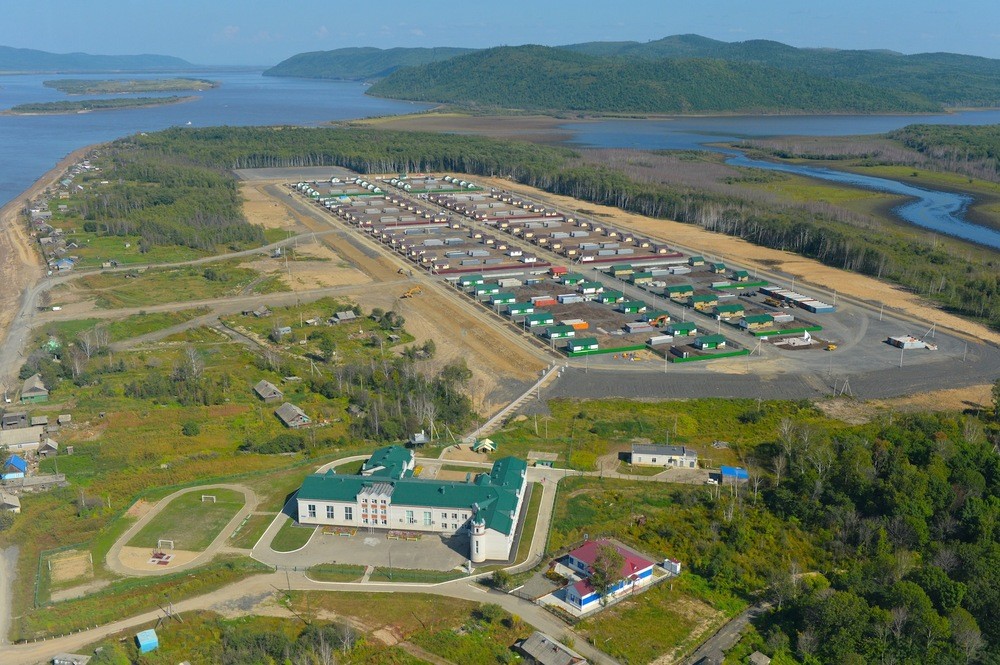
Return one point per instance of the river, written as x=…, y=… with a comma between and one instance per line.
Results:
x=31, y=145
x=939, y=211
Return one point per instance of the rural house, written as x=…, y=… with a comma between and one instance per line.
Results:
x=15, y=467
x=268, y=392
x=10, y=503
x=292, y=416
x=635, y=572
x=540, y=649
x=34, y=390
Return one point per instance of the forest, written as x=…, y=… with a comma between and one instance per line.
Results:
x=359, y=64
x=551, y=79
x=81, y=105
x=167, y=202
x=967, y=287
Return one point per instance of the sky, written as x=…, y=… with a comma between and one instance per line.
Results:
x=256, y=32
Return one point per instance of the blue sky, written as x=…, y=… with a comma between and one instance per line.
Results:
x=263, y=33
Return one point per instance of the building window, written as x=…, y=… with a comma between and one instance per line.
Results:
x=653, y=461
x=427, y=518
x=349, y=514
x=329, y=512
x=477, y=547
x=311, y=510
x=444, y=516
x=383, y=521
x=454, y=527
x=454, y=516
x=409, y=517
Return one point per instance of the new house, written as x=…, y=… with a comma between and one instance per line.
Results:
x=635, y=572
x=386, y=495
x=653, y=455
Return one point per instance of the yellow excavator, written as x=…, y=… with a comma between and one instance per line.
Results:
x=412, y=292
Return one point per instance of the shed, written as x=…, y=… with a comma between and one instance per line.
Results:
x=147, y=640
x=503, y=298
x=14, y=420
x=34, y=390
x=710, y=342
x=622, y=270
x=541, y=649
x=539, y=319
x=718, y=268
x=734, y=473
x=64, y=419
x=696, y=261
x=573, y=278
x=611, y=296
x=703, y=301
x=686, y=328
x=757, y=321
x=560, y=332
x=268, y=392
x=519, y=308
x=758, y=658
x=471, y=280
x=292, y=416
x=632, y=306
x=48, y=447
x=590, y=287
x=642, y=277
x=70, y=659
x=9, y=502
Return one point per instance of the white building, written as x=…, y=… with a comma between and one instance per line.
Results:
x=387, y=496
x=678, y=456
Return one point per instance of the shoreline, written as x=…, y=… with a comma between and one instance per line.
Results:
x=182, y=100
x=21, y=266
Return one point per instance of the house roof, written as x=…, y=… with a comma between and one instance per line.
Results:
x=9, y=501
x=680, y=287
x=288, y=412
x=267, y=389
x=704, y=297
x=390, y=461
x=732, y=307
x=734, y=471
x=493, y=496
x=34, y=385
x=631, y=562
x=682, y=325
x=22, y=436
x=710, y=339
x=548, y=651
x=17, y=462
x=649, y=449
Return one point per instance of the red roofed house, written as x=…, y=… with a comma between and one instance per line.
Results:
x=636, y=571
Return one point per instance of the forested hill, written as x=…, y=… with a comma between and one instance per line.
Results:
x=946, y=78
x=31, y=60
x=552, y=79
x=359, y=64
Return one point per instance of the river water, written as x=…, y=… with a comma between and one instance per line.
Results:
x=31, y=145
x=939, y=211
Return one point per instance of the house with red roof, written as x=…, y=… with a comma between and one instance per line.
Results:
x=636, y=572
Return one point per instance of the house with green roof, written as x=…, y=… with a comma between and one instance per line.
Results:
x=560, y=332
x=741, y=275
x=470, y=280
x=632, y=307
x=678, y=290
x=705, y=342
x=610, y=296
x=703, y=301
x=757, y=321
x=718, y=268
x=541, y=318
x=682, y=328
x=520, y=308
x=573, y=278
x=642, y=277
x=622, y=270
x=486, y=509
x=696, y=261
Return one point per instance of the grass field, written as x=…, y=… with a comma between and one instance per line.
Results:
x=402, y=613
x=404, y=575
x=625, y=467
x=672, y=622
x=291, y=537
x=160, y=286
x=251, y=532
x=135, y=325
x=190, y=522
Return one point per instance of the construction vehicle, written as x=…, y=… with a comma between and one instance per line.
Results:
x=411, y=292
x=831, y=347
x=773, y=302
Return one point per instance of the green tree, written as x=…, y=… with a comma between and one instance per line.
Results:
x=607, y=569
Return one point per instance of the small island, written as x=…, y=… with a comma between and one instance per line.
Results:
x=115, y=86
x=87, y=105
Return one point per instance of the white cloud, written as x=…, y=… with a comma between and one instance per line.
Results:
x=322, y=32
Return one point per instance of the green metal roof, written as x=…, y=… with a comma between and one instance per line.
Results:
x=741, y=273
x=759, y=318
x=573, y=277
x=393, y=461
x=470, y=279
x=584, y=342
x=710, y=339
x=683, y=326
x=493, y=494
x=554, y=330
x=621, y=267
x=729, y=308
x=645, y=274
x=611, y=293
x=679, y=288
x=703, y=298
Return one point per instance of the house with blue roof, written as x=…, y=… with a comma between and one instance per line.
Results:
x=15, y=467
x=386, y=495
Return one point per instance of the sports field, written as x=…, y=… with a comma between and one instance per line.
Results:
x=189, y=521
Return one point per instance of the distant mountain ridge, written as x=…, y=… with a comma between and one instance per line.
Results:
x=541, y=78
x=927, y=81
x=360, y=64
x=32, y=60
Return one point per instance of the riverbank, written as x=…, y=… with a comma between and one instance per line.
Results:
x=21, y=266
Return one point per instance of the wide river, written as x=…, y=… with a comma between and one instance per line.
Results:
x=31, y=145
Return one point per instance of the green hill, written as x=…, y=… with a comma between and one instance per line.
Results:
x=946, y=78
x=552, y=79
x=359, y=64
x=31, y=60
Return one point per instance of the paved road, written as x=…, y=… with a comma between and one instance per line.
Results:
x=113, y=559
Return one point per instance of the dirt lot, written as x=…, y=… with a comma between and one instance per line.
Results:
x=260, y=208
x=717, y=244
x=71, y=565
x=137, y=558
x=314, y=266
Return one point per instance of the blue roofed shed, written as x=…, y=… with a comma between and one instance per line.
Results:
x=734, y=473
x=15, y=467
x=147, y=640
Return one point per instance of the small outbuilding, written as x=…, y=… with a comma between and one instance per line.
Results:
x=540, y=649
x=734, y=474
x=706, y=342
x=292, y=416
x=653, y=455
x=9, y=503
x=682, y=329
x=70, y=659
x=268, y=392
x=678, y=291
x=729, y=310
x=15, y=467
x=757, y=321
x=484, y=446
x=147, y=640
x=582, y=344
x=758, y=658
x=696, y=261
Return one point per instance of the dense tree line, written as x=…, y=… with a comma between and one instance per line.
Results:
x=543, y=78
x=358, y=64
x=167, y=202
x=93, y=104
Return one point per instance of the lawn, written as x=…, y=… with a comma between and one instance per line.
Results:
x=251, y=531
x=484, y=638
x=291, y=537
x=414, y=576
x=672, y=622
x=625, y=467
x=402, y=613
x=336, y=572
x=190, y=522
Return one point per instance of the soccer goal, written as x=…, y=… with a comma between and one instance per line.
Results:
x=160, y=543
x=208, y=497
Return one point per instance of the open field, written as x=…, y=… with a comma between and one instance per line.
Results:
x=190, y=521
x=129, y=327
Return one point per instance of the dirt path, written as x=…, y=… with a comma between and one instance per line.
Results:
x=8, y=568
x=725, y=247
